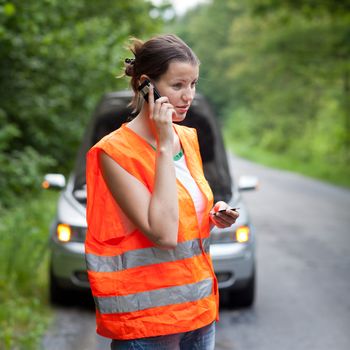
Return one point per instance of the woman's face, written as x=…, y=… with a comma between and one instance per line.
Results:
x=178, y=83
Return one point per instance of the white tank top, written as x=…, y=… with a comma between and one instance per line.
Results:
x=186, y=179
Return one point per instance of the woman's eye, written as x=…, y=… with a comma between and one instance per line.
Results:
x=177, y=86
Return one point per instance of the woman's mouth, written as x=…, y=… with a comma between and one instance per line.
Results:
x=182, y=109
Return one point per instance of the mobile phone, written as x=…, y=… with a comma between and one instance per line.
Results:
x=144, y=89
x=223, y=210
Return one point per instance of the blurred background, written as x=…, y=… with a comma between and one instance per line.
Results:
x=277, y=72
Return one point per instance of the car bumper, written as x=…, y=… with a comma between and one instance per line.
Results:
x=233, y=264
x=68, y=265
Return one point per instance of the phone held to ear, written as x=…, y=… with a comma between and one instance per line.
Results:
x=144, y=89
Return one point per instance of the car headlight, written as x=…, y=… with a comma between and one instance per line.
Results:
x=239, y=234
x=68, y=233
x=242, y=234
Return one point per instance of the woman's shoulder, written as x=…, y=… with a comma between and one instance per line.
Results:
x=113, y=138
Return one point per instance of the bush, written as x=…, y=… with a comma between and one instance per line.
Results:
x=23, y=272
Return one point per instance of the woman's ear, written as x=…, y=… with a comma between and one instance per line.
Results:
x=143, y=77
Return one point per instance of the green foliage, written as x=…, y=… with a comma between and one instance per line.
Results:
x=307, y=7
x=278, y=73
x=23, y=272
x=24, y=321
x=206, y=30
x=57, y=57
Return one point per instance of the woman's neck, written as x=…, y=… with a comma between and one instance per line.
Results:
x=141, y=125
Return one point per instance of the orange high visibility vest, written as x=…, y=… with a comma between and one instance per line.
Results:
x=141, y=290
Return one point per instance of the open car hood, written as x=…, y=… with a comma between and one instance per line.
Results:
x=113, y=110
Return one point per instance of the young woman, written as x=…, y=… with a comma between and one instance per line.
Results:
x=150, y=211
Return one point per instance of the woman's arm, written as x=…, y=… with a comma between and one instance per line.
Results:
x=155, y=214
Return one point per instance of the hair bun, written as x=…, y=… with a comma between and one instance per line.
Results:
x=129, y=66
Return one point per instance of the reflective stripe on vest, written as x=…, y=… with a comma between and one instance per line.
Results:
x=145, y=256
x=154, y=298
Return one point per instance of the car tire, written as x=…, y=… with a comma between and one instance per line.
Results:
x=246, y=295
x=57, y=294
x=243, y=297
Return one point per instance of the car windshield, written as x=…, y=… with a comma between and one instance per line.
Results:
x=113, y=111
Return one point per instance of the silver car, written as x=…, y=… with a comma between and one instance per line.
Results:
x=232, y=249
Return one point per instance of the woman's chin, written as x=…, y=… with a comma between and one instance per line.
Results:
x=179, y=117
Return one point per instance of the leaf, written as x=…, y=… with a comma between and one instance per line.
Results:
x=9, y=9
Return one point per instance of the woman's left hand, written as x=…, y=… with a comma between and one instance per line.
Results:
x=223, y=219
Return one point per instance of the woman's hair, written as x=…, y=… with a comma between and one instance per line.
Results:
x=152, y=58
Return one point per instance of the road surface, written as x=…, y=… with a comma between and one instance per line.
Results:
x=303, y=258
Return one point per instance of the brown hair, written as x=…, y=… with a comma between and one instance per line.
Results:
x=152, y=58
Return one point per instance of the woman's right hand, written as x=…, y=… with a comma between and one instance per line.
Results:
x=161, y=117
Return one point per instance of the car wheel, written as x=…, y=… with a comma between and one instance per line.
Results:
x=244, y=297
x=57, y=294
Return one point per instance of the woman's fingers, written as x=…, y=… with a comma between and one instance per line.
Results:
x=151, y=100
x=163, y=113
x=159, y=107
x=219, y=222
x=228, y=214
x=223, y=218
x=161, y=117
x=166, y=112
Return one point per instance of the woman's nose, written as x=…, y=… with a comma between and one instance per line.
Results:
x=188, y=95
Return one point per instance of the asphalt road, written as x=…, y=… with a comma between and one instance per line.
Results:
x=303, y=258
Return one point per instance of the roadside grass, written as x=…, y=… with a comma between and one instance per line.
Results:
x=334, y=174
x=24, y=310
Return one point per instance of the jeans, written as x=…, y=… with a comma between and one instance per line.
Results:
x=199, y=339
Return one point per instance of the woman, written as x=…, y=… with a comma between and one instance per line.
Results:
x=150, y=211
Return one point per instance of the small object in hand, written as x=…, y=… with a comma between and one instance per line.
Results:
x=224, y=210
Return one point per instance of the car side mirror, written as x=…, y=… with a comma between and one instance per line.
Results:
x=54, y=181
x=248, y=183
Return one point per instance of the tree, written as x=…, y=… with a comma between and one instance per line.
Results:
x=278, y=73
x=57, y=57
